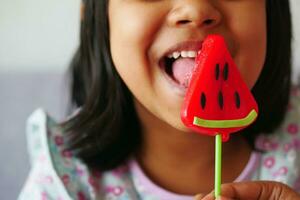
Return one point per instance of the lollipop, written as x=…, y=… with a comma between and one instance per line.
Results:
x=218, y=102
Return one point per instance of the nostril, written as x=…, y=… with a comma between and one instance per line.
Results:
x=183, y=22
x=208, y=21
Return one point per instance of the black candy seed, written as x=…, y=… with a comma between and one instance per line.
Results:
x=217, y=72
x=220, y=100
x=237, y=100
x=203, y=100
x=225, y=72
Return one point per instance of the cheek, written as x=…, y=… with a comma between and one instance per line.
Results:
x=126, y=43
x=132, y=26
x=251, y=45
x=126, y=37
x=132, y=30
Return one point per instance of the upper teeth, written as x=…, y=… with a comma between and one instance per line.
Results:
x=183, y=54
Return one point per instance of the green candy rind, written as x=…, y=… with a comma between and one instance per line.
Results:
x=233, y=123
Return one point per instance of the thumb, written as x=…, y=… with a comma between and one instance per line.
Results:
x=260, y=190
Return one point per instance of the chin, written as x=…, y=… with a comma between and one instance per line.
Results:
x=179, y=126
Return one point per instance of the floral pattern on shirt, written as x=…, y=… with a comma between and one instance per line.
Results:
x=57, y=174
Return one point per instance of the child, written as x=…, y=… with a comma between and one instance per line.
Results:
x=126, y=139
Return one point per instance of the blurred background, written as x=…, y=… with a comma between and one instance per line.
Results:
x=37, y=41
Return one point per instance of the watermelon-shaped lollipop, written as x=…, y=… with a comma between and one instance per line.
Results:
x=217, y=102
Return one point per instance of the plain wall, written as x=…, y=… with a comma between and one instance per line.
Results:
x=38, y=35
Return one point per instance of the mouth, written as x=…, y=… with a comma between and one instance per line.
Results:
x=178, y=63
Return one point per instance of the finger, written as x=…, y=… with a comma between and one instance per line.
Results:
x=248, y=190
x=210, y=196
x=260, y=190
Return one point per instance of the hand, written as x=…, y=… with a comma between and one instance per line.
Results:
x=254, y=190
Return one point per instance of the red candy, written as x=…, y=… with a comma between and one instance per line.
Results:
x=217, y=99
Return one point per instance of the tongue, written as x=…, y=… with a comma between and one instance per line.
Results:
x=182, y=70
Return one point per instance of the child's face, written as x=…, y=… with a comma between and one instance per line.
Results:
x=143, y=31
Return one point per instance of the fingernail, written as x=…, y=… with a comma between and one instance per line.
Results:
x=198, y=197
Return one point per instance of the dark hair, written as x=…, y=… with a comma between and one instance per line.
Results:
x=106, y=131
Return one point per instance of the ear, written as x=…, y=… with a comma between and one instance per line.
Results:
x=82, y=6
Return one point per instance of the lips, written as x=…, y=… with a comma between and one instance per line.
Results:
x=178, y=62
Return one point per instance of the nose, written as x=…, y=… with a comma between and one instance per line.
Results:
x=197, y=13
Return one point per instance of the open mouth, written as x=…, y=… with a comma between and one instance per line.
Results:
x=179, y=66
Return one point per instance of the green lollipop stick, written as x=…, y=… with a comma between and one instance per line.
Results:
x=217, y=99
x=218, y=164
